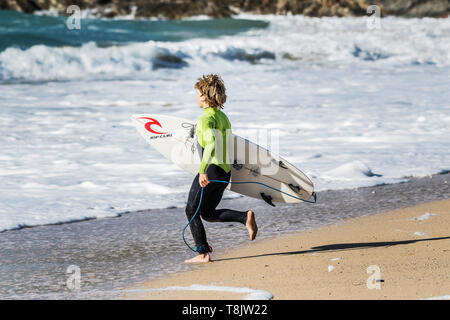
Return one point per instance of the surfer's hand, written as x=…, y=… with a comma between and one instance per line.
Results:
x=203, y=179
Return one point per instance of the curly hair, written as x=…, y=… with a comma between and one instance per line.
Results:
x=211, y=86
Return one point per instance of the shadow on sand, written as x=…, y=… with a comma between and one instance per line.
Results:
x=338, y=247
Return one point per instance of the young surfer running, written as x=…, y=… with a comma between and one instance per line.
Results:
x=211, y=127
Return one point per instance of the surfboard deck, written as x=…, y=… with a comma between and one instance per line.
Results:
x=175, y=139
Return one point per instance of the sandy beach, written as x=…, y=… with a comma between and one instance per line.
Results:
x=400, y=254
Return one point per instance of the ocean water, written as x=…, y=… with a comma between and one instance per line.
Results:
x=353, y=106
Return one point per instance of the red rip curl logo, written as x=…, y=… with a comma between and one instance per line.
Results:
x=148, y=125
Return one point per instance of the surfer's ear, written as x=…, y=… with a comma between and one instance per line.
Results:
x=201, y=95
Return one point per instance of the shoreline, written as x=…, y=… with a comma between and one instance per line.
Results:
x=406, y=249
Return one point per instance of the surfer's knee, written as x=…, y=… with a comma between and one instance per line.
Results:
x=208, y=215
x=189, y=211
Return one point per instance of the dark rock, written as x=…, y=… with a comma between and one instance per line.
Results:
x=182, y=8
x=416, y=8
x=175, y=9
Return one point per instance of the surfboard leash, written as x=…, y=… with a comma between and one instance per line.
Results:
x=236, y=182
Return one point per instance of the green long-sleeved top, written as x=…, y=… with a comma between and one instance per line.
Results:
x=210, y=126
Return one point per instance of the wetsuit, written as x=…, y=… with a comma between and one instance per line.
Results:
x=213, y=123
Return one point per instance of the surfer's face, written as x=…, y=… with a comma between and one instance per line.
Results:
x=201, y=100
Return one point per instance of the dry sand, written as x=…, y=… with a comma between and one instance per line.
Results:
x=407, y=250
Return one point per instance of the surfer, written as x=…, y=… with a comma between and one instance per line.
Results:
x=212, y=126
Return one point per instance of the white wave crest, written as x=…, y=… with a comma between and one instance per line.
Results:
x=292, y=39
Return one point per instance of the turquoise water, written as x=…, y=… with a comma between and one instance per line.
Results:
x=25, y=30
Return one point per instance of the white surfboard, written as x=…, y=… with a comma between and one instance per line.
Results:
x=175, y=139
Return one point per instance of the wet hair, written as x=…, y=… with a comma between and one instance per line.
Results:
x=211, y=86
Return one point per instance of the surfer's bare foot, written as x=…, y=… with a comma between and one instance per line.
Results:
x=251, y=225
x=201, y=258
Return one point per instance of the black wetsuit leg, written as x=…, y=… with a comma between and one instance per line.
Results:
x=212, y=194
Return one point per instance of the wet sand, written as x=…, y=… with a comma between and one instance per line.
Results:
x=400, y=254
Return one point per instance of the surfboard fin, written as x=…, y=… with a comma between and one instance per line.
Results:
x=190, y=128
x=236, y=165
x=279, y=163
x=296, y=189
x=267, y=198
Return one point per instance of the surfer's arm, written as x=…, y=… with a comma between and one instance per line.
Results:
x=207, y=156
x=209, y=145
